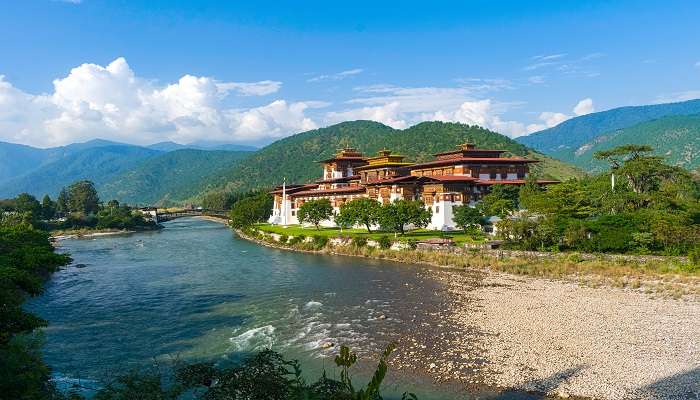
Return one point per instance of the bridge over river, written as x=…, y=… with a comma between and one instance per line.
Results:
x=163, y=216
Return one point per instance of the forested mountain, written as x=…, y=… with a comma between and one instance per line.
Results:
x=676, y=138
x=98, y=164
x=18, y=159
x=295, y=157
x=565, y=140
x=170, y=177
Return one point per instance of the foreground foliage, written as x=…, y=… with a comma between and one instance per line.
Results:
x=263, y=376
x=26, y=257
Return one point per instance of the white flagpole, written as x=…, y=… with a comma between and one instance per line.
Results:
x=284, y=201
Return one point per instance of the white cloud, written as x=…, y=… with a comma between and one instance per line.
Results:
x=388, y=114
x=337, y=76
x=400, y=107
x=550, y=119
x=697, y=64
x=536, y=80
x=678, y=96
x=584, y=107
x=261, y=88
x=112, y=102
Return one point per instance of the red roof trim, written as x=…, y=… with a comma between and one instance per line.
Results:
x=353, y=189
x=481, y=160
x=513, y=182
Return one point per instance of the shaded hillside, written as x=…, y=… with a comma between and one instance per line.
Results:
x=98, y=164
x=17, y=159
x=563, y=140
x=296, y=157
x=677, y=138
x=171, y=177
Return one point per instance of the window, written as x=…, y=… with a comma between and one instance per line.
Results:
x=437, y=209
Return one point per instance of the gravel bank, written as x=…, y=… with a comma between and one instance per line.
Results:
x=559, y=338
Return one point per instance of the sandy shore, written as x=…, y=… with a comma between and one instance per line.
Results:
x=562, y=339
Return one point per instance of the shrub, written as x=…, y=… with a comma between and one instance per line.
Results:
x=359, y=241
x=384, y=242
x=283, y=239
x=412, y=244
x=694, y=256
x=319, y=241
x=295, y=240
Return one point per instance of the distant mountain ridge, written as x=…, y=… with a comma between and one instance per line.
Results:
x=571, y=140
x=120, y=171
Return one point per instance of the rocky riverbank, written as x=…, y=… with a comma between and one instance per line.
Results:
x=567, y=340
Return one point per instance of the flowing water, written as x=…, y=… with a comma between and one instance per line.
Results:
x=194, y=291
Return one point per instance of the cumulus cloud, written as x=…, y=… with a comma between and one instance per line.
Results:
x=584, y=107
x=337, y=76
x=400, y=107
x=550, y=119
x=112, y=102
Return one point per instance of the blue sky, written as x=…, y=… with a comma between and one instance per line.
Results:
x=143, y=72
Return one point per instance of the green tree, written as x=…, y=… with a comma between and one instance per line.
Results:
x=250, y=210
x=315, y=211
x=465, y=216
x=362, y=211
x=62, y=203
x=83, y=198
x=25, y=202
x=396, y=215
x=48, y=208
x=501, y=200
x=26, y=257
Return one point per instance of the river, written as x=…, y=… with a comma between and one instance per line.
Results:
x=194, y=291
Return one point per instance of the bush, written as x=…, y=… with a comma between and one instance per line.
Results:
x=694, y=256
x=412, y=244
x=319, y=242
x=293, y=241
x=283, y=239
x=384, y=242
x=359, y=241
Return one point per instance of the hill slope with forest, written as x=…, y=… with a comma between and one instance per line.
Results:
x=171, y=177
x=98, y=164
x=296, y=157
x=566, y=139
x=676, y=138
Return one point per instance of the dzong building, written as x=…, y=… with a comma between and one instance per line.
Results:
x=453, y=178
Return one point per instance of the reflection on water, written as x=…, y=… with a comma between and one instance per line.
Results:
x=195, y=291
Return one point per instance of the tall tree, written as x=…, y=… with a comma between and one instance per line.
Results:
x=361, y=211
x=83, y=198
x=466, y=217
x=395, y=216
x=315, y=211
x=25, y=202
x=48, y=207
x=62, y=203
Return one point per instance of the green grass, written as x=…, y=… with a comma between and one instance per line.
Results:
x=418, y=234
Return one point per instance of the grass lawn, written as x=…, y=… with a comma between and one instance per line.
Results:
x=418, y=234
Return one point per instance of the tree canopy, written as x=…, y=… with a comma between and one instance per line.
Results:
x=315, y=211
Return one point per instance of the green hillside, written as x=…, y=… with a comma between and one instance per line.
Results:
x=563, y=140
x=677, y=138
x=295, y=157
x=171, y=177
x=98, y=164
